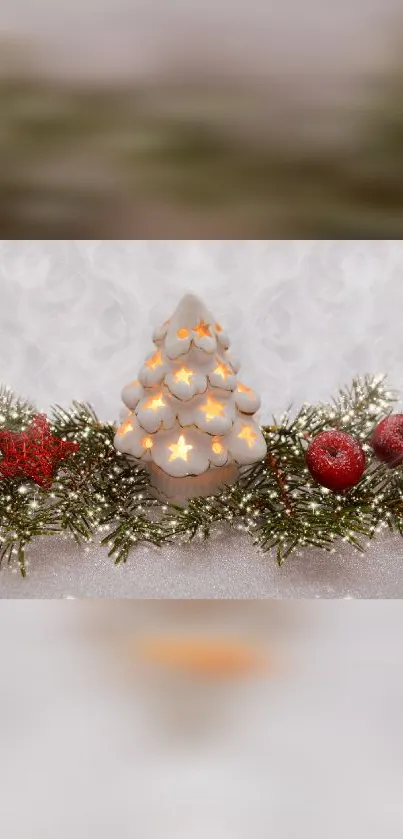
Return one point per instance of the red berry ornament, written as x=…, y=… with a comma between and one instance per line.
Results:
x=387, y=440
x=335, y=460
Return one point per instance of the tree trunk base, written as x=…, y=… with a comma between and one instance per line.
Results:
x=180, y=490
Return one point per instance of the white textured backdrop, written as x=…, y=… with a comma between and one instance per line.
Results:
x=76, y=316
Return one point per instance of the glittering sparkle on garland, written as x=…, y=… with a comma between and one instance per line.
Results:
x=99, y=494
x=33, y=453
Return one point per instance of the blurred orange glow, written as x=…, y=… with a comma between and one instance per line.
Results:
x=210, y=658
x=93, y=745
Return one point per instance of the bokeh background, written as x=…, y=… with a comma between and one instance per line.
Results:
x=113, y=722
x=123, y=118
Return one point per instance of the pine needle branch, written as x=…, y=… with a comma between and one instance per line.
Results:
x=98, y=493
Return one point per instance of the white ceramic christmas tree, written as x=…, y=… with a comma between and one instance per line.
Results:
x=187, y=417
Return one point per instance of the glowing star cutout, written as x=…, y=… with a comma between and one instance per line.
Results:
x=202, y=329
x=222, y=370
x=155, y=402
x=125, y=428
x=155, y=360
x=217, y=447
x=248, y=434
x=243, y=389
x=184, y=375
x=182, y=333
x=212, y=409
x=147, y=443
x=180, y=449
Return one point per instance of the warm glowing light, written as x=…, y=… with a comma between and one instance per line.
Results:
x=217, y=447
x=180, y=449
x=243, y=389
x=125, y=428
x=217, y=327
x=155, y=360
x=212, y=408
x=147, y=443
x=248, y=434
x=208, y=658
x=202, y=329
x=184, y=375
x=183, y=333
x=155, y=402
x=134, y=383
x=222, y=370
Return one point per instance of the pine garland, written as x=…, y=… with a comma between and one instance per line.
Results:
x=98, y=493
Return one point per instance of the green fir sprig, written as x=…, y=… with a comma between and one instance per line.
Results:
x=100, y=494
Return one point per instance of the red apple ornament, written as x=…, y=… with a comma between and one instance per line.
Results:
x=387, y=440
x=335, y=459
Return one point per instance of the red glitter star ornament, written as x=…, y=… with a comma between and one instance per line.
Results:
x=33, y=453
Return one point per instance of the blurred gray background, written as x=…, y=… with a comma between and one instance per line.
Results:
x=200, y=120
x=97, y=743
x=133, y=38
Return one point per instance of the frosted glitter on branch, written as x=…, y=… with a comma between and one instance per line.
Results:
x=100, y=494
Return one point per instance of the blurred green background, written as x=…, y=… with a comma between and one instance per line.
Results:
x=187, y=155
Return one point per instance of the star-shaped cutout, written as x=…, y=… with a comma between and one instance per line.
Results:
x=243, y=389
x=180, y=449
x=33, y=453
x=155, y=360
x=202, y=329
x=212, y=409
x=155, y=402
x=184, y=375
x=248, y=434
x=125, y=428
x=222, y=370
